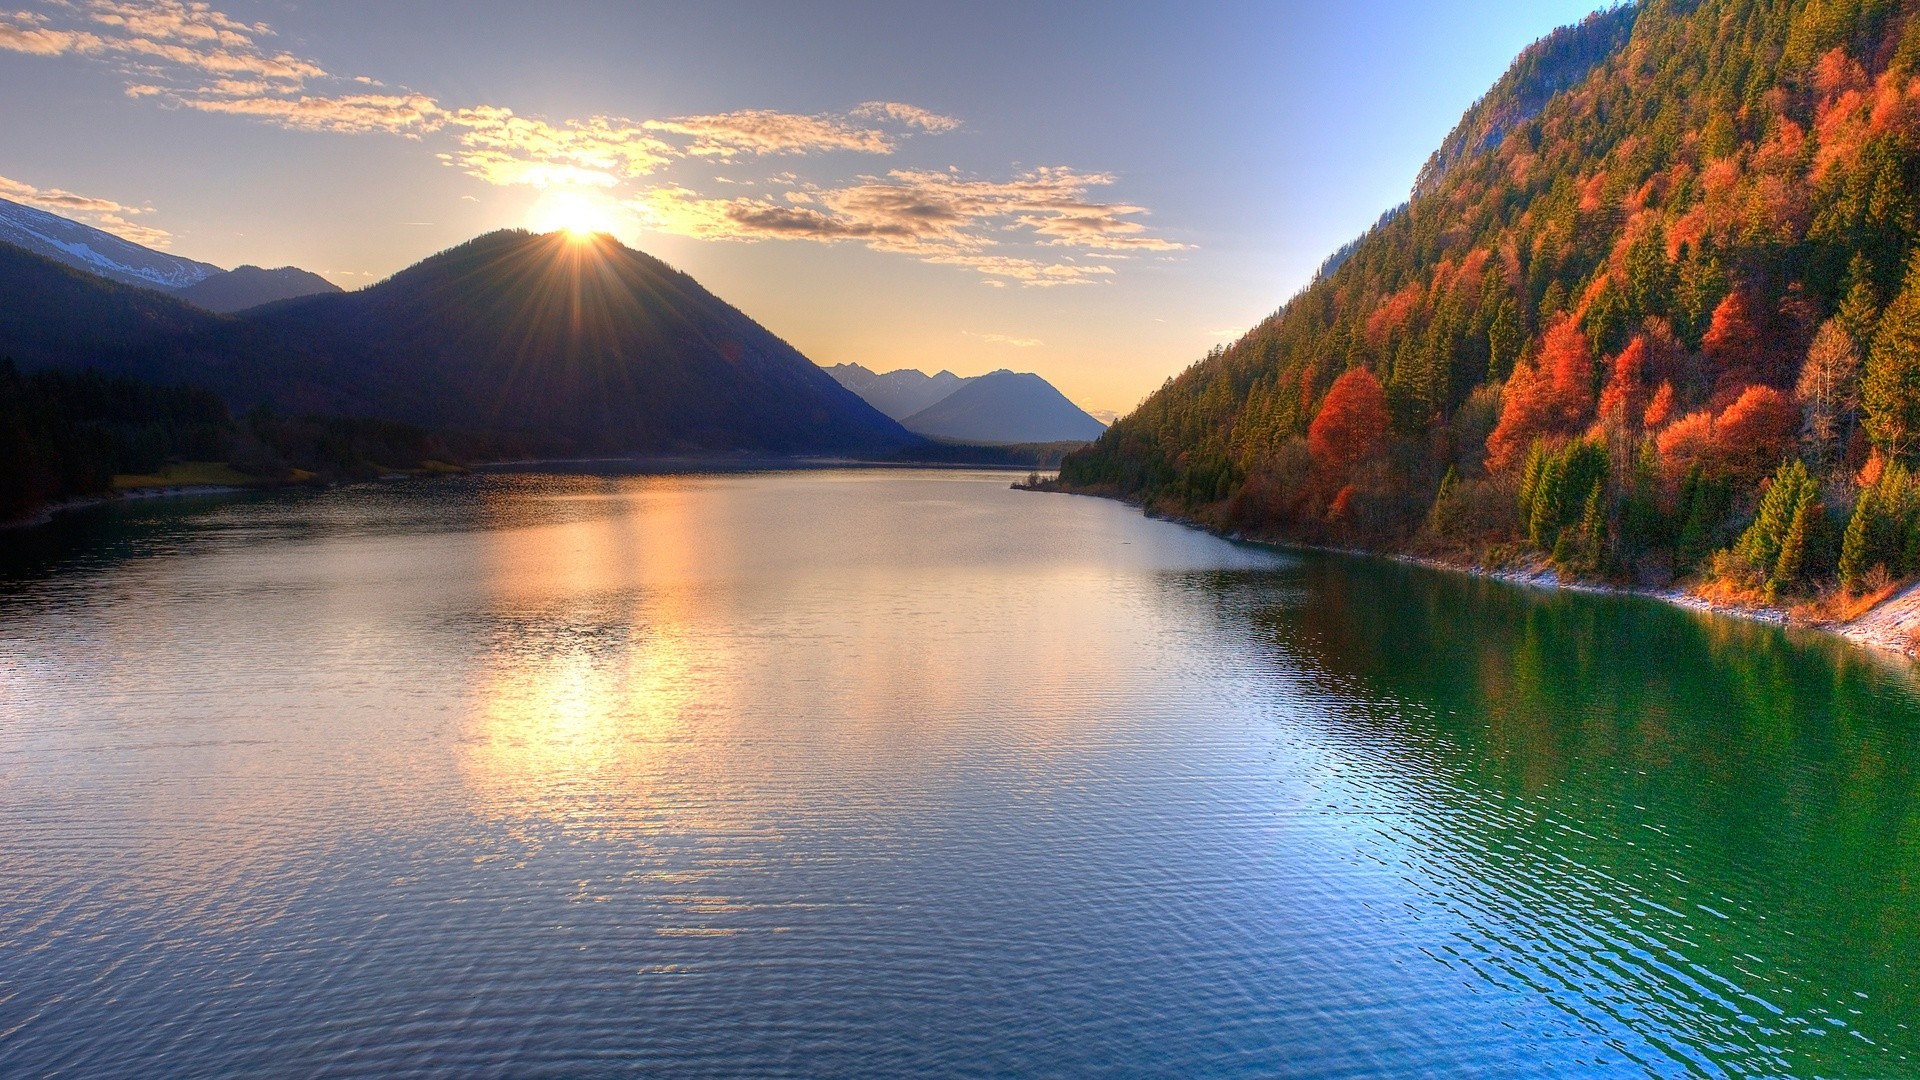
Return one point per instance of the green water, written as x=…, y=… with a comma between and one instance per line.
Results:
x=904, y=773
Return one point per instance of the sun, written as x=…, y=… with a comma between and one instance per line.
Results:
x=580, y=214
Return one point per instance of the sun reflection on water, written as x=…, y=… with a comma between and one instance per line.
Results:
x=592, y=672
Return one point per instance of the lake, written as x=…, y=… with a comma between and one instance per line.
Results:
x=876, y=772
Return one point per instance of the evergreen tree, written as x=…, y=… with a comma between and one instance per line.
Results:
x=1890, y=388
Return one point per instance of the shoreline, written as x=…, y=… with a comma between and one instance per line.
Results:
x=1889, y=627
x=46, y=514
x=602, y=466
x=1886, y=627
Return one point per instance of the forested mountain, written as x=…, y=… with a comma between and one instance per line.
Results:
x=1667, y=323
x=245, y=287
x=1005, y=407
x=69, y=434
x=543, y=343
x=582, y=344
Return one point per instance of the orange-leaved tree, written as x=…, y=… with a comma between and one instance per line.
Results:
x=1352, y=425
x=1551, y=397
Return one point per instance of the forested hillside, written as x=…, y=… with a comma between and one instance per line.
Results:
x=69, y=434
x=1653, y=311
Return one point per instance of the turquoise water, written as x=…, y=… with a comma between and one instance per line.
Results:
x=892, y=772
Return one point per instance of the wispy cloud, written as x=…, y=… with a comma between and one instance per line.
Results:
x=101, y=213
x=765, y=131
x=914, y=115
x=154, y=35
x=941, y=217
x=1004, y=339
x=187, y=54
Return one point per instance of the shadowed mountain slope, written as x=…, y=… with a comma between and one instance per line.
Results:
x=244, y=287
x=568, y=346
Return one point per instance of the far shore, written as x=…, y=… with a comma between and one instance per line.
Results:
x=634, y=466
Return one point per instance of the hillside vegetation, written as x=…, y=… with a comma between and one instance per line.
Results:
x=74, y=435
x=1652, y=311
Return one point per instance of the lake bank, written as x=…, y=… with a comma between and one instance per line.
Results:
x=1892, y=625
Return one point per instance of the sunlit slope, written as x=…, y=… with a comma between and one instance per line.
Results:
x=1696, y=188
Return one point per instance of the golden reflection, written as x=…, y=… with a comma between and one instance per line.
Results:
x=592, y=667
x=725, y=657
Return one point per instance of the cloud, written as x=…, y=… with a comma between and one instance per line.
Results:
x=1003, y=339
x=104, y=214
x=912, y=115
x=765, y=131
x=394, y=114
x=941, y=217
x=186, y=54
x=189, y=36
x=22, y=32
x=506, y=149
x=1030, y=272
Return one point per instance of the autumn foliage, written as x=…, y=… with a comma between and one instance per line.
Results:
x=1550, y=399
x=1671, y=255
x=1352, y=424
x=1743, y=442
x=1734, y=347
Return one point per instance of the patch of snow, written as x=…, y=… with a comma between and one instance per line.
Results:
x=86, y=248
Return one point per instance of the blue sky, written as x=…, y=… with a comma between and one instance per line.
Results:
x=1098, y=192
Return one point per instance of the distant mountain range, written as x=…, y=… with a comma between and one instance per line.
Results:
x=548, y=344
x=1001, y=407
x=899, y=394
x=106, y=255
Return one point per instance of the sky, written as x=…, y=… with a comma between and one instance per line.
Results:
x=1099, y=192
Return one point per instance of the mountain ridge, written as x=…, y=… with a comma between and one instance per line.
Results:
x=560, y=345
x=1013, y=408
x=117, y=259
x=1004, y=407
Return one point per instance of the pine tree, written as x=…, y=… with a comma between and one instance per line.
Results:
x=1890, y=388
x=1793, y=549
x=1856, y=546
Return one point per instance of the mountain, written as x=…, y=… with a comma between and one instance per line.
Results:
x=1005, y=407
x=244, y=287
x=85, y=248
x=1552, y=65
x=585, y=341
x=900, y=393
x=1652, y=310
x=563, y=346
x=106, y=255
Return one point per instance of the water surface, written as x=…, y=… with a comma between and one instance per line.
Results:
x=905, y=772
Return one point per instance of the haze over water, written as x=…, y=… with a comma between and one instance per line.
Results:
x=895, y=772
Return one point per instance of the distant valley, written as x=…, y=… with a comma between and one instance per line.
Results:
x=1001, y=407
